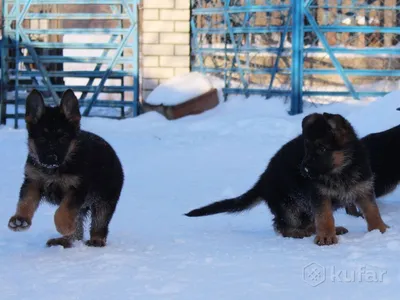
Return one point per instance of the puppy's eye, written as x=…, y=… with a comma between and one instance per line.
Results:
x=322, y=149
x=46, y=130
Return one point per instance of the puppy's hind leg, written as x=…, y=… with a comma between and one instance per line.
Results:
x=102, y=213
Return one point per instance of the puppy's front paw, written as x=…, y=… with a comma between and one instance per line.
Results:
x=17, y=223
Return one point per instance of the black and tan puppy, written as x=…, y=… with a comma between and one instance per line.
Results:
x=66, y=166
x=321, y=170
x=383, y=151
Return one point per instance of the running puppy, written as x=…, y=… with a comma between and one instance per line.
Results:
x=321, y=170
x=68, y=167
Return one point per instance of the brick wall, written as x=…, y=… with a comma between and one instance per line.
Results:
x=165, y=41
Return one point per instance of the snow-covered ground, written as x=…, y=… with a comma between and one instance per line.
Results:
x=155, y=252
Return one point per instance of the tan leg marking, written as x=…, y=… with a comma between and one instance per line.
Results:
x=372, y=214
x=325, y=224
x=26, y=208
x=65, y=217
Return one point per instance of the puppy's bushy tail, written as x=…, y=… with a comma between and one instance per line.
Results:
x=234, y=205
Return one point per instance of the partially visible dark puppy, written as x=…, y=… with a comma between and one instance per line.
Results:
x=383, y=152
x=66, y=166
x=323, y=169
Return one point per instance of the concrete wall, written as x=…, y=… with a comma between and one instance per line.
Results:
x=165, y=41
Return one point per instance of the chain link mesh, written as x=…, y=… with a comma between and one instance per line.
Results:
x=364, y=36
x=242, y=47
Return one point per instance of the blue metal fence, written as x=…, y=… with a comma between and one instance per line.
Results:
x=299, y=49
x=90, y=46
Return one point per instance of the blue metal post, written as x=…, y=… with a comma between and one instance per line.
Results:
x=3, y=87
x=296, y=105
x=135, y=63
x=225, y=65
x=246, y=24
x=16, y=63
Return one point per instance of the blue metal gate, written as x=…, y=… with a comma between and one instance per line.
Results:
x=314, y=49
x=90, y=46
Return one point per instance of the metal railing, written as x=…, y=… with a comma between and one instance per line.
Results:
x=315, y=49
x=90, y=46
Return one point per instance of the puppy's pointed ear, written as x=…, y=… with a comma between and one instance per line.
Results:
x=307, y=120
x=34, y=107
x=335, y=121
x=70, y=106
x=341, y=128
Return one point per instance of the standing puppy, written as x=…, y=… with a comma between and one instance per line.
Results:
x=321, y=170
x=68, y=167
